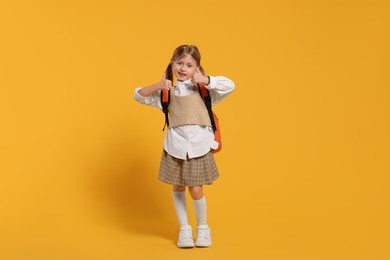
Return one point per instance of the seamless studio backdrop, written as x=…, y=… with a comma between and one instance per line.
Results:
x=305, y=159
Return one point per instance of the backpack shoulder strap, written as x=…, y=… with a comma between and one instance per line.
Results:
x=205, y=94
x=165, y=98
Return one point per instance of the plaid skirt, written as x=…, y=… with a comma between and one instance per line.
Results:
x=191, y=172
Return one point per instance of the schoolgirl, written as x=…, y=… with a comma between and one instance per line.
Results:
x=187, y=159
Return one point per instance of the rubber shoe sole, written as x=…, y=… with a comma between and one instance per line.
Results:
x=186, y=245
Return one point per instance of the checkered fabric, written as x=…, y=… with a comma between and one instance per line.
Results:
x=191, y=172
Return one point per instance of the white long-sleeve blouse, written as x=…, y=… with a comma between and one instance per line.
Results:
x=190, y=140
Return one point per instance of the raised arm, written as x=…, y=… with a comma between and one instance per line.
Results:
x=163, y=84
x=150, y=95
x=220, y=87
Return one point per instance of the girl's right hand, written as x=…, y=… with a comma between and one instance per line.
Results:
x=165, y=83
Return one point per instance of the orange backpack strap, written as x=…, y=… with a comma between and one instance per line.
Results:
x=165, y=98
x=204, y=92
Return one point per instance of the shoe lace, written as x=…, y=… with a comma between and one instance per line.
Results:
x=203, y=232
x=186, y=233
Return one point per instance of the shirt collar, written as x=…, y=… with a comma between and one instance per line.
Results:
x=185, y=83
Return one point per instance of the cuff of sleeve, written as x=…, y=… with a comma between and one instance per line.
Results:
x=137, y=96
x=211, y=82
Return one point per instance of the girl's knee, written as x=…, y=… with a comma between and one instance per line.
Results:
x=179, y=188
x=196, y=192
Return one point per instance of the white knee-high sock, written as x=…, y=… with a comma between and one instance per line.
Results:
x=179, y=201
x=200, y=211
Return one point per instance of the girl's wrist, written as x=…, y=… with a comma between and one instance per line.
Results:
x=207, y=80
x=161, y=86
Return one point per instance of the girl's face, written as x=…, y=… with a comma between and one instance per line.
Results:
x=184, y=67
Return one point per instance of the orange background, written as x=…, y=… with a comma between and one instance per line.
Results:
x=305, y=164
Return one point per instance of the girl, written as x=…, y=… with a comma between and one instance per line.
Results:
x=187, y=159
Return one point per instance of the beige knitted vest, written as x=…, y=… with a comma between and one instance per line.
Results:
x=187, y=110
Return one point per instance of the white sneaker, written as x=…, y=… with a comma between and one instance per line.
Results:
x=203, y=237
x=185, y=237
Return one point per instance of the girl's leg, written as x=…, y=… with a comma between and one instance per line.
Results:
x=203, y=238
x=180, y=203
x=179, y=200
x=199, y=202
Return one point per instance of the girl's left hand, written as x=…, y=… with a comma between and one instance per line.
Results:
x=198, y=77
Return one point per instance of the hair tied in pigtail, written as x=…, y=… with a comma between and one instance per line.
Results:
x=169, y=72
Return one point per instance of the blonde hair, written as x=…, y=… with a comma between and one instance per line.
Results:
x=181, y=51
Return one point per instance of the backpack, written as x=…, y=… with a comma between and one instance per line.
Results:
x=205, y=94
